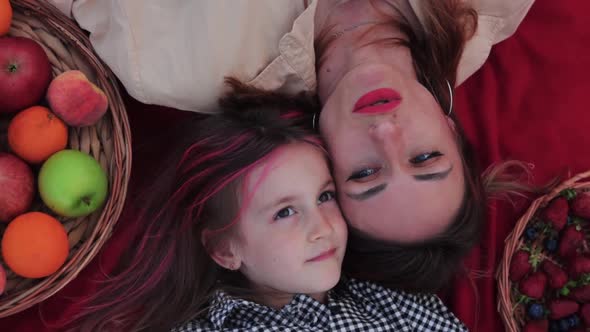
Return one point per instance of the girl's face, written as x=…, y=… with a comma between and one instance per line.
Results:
x=291, y=236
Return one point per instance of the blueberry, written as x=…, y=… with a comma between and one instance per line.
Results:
x=530, y=233
x=564, y=325
x=570, y=220
x=573, y=320
x=551, y=245
x=536, y=311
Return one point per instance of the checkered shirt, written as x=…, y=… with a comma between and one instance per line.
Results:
x=352, y=306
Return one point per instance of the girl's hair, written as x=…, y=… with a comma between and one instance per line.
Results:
x=436, y=44
x=167, y=277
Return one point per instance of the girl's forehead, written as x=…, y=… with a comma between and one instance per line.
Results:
x=285, y=166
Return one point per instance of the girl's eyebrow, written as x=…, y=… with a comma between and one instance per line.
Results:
x=327, y=183
x=280, y=201
x=291, y=198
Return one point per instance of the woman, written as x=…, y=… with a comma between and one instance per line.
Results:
x=392, y=240
x=407, y=181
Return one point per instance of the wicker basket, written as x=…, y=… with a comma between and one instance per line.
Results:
x=512, y=315
x=108, y=142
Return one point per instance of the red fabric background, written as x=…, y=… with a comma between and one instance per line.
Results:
x=529, y=102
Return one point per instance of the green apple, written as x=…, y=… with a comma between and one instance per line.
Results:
x=72, y=183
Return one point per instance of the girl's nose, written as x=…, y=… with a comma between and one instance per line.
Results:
x=321, y=226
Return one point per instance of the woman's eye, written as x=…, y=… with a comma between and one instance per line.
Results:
x=284, y=213
x=424, y=157
x=326, y=196
x=363, y=173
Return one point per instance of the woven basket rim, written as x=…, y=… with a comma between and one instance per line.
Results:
x=119, y=164
x=513, y=242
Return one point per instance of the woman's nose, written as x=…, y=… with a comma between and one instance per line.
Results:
x=384, y=135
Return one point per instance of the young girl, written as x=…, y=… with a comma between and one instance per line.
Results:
x=246, y=235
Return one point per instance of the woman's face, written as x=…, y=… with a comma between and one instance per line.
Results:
x=396, y=161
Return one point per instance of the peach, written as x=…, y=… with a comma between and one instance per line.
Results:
x=76, y=100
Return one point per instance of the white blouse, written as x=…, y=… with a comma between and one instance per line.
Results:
x=176, y=53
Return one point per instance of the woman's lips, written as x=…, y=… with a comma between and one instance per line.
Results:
x=325, y=255
x=378, y=101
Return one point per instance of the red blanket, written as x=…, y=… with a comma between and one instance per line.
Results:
x=528, y=103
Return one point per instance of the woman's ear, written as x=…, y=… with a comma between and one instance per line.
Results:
x=223, y=252
x=452, y=124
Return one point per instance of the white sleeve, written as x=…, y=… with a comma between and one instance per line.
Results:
x=176, y=52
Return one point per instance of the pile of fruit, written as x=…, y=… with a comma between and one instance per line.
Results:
x=42, y=182
x=550, y=272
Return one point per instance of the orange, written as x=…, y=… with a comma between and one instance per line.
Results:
x=5, y=16
x=35, y=245
x=35, y=134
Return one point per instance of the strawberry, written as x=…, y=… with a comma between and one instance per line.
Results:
x=580, y=294
x=556, y=213
x=571, y=239
x=581, y=205
x=557, y=276
x=536, y=326
x=534, y=285
x=562, y=308
x=578, y=265
x=585, y=314
x=520, y=265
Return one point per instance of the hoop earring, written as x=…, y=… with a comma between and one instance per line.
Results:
x=314, y=126
x=450, y=96
x=451, y=99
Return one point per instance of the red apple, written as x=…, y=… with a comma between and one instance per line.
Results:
x=17, y=183
x=25, y=73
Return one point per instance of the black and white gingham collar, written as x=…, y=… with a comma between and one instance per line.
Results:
x=302, y=309
x=353, y=306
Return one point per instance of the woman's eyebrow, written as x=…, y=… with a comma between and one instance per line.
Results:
x=434, y=176
x=368, y=193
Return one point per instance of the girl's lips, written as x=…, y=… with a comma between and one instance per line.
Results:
x=325, y=255
x=378, y=101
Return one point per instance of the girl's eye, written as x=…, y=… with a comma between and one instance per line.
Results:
x=284, y=213
x=424, y=157
x=326, y=196
x=364, y=173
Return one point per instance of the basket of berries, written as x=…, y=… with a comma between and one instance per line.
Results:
x=65, y=155
x=544, y=275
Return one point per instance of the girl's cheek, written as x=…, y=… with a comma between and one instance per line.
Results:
x=336, y=217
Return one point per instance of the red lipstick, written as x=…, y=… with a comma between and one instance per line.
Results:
x=325, y=255
x=378, y=101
